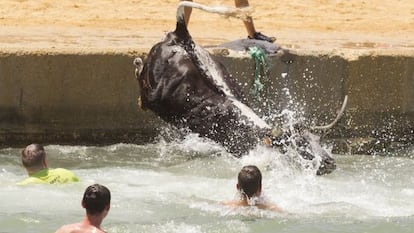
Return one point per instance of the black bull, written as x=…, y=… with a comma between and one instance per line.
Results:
x=186, y=87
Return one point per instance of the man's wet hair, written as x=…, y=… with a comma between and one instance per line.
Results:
x=33, y=156
x=96, y=198
x=250, y=180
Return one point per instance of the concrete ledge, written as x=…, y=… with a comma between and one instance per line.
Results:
x=90, y=98
x=70, y=98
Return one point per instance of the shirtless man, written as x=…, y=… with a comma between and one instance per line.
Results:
x=96, y=200
x=250, y=188
x=248, y=23
x=35, y=162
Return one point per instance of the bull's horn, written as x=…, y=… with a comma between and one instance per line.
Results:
x=341, y=112
x=139, y=65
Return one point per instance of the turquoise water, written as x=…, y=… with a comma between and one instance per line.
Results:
x=177, y=187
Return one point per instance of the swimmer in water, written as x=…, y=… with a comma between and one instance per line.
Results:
x=249, y=186
x=35, y=162
x=96, y=200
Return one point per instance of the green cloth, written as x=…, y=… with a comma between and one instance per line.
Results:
x=50, y=176
x=261, y=70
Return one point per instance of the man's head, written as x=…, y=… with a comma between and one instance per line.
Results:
x=96, y=199
x=250, y=181
x=34, y=158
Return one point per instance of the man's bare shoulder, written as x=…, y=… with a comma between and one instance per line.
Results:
x=233, y=203
x=269, y=206
x=78, y=228
x=70, y=228
x=263, y=205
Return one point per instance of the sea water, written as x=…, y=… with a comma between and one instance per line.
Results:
x=177, y=186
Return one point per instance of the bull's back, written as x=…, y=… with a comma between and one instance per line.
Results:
x=178, y=87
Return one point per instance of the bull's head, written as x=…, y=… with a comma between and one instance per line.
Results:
x=307, y=145
x=300, y=138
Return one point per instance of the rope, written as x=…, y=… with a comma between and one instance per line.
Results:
x=261, y=69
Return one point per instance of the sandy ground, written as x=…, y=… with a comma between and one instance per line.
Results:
x=135, y=25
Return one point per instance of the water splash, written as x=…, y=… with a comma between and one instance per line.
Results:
x=302, y=147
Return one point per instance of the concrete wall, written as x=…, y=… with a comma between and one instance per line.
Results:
x=70, y=98
x=380, y=90
x=91, y=98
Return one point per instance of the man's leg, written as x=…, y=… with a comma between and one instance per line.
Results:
x=187, y=12
x=248, y=23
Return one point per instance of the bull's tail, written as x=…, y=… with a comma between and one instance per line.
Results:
x=324, y=127
x=181, y=28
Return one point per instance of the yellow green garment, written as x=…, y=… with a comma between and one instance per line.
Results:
x=50, y=176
